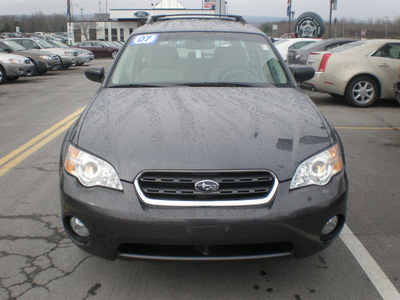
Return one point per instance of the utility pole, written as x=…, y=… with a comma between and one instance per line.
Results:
x=289, y=13
x=386, y=24
x=332, y=6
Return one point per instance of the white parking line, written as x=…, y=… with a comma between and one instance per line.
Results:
x=378, y=278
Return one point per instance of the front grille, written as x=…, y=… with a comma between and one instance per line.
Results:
x=75, y=53
x=208, y=252
x=177, y=188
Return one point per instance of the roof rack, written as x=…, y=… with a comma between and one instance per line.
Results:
x=157, y=18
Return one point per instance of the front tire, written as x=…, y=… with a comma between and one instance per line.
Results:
x=114, y=54
x=2, y=75
x=361, y=91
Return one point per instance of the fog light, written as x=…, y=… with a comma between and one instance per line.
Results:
x=330, y=225
x=78, y=227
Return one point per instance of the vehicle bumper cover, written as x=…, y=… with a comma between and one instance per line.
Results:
x=114, y=218
x=329, y=85
x=14, y=70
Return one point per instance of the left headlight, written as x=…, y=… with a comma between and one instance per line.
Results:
x=91, y=170
x=319, y=169
x=68, y=53
x=16, y=61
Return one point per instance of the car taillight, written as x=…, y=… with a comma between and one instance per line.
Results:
x=324, y=61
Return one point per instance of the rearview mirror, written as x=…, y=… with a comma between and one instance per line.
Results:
x=95, y=74
x=302, y=73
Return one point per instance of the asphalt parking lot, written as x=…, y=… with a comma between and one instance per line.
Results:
x=38, y=261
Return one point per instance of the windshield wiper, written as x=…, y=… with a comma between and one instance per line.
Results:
x=138, y=85
x=225, y=84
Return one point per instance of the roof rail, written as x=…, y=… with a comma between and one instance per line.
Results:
x=157, y=18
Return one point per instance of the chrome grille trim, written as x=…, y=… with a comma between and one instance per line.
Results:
x=209, y=201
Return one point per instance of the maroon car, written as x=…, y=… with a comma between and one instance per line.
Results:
x=99, y=48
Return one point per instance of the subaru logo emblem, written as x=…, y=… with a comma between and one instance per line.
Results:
x=206, y=186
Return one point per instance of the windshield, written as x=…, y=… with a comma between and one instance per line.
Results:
x=44, y=44
x=59, y=44
x=13, y=45
x=198, y=58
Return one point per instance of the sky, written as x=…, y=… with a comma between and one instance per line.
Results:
x=356, y=9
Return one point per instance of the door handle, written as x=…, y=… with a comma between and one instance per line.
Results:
x=384, y=65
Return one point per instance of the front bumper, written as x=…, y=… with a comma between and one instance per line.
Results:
x=120, y=224
x=19, y=70
x=67, y=61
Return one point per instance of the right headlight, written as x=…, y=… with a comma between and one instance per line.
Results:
x=91, y=170
x=46, y=57
x=319, y=169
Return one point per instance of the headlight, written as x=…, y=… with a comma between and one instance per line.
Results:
x=45, y=57
x=319, y=169
x=16, y=61
x=91, y=170
x=68, y=53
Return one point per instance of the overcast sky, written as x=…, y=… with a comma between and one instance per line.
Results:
x=357, y=9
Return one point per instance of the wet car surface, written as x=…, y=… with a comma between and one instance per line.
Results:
x=234, y=162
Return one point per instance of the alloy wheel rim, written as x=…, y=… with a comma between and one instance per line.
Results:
x=363, y=92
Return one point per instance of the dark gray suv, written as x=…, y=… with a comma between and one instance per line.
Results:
x=200, y=146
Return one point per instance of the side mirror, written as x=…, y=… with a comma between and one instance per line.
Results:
x=302, y=73
x=95, y=74
x=36, y=47
x=8, y=50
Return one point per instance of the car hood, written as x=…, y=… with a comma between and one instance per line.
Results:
x=6, y=56
x=193, y=128
x=33, y=52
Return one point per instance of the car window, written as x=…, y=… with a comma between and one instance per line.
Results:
x=348, y=46
x=28, y=44
x=13, y=45
x=389, y=50
x=85, y=44
x=299, y=45
x=170, y=58
x=44, y=44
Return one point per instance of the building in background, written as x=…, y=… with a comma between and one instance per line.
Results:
x=119, y=23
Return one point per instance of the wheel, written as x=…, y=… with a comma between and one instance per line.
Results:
x=361, y=91
x=238, y=75
x=309, y=25
x=2, y=75
x=12, y=78
x=114, y=54
x=37, y=70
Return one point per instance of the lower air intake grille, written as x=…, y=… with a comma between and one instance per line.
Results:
x=228, y=188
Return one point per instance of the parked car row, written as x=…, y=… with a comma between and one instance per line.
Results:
x=28, y=56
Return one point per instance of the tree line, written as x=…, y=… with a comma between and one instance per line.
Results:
x=34, y=23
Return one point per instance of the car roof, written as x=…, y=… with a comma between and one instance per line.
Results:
x=197, y=24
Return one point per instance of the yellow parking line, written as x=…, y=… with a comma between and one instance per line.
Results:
x=17, y=156
x=369, y=128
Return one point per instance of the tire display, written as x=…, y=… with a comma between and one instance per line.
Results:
x=309, y=25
